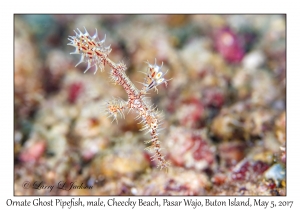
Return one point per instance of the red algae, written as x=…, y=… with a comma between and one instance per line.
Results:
x=229, y=45
x=34, y=152
x=74, y=91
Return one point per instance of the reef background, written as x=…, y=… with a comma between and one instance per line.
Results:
x=225, y=108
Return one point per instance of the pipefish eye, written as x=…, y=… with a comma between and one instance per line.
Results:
x=158, y=75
